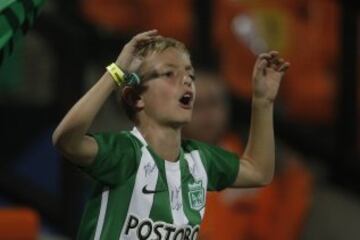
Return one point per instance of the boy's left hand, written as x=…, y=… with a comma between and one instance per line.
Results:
x=268, y=71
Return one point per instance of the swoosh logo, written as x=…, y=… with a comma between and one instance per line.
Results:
x=147, y=191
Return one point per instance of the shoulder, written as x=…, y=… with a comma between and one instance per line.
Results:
x=117, y=143
x=205, y=149
x=190, y=145
x=123, y=137
x=207, y=152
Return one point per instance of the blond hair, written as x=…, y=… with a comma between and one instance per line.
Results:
x=158, y=45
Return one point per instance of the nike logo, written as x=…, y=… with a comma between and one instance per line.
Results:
x=146, y=191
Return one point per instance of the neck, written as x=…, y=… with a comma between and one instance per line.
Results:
x=164, y=140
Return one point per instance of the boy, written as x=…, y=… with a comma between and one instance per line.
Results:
x=151, y=184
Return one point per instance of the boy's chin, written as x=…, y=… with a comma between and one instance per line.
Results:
x=186, y=120
x=180, y=123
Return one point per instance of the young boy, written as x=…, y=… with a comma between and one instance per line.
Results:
x=151, y=183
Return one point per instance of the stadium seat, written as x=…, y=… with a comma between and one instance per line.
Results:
x=171, y=18
x=19, y=223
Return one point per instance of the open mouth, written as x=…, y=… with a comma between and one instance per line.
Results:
x=186, y=100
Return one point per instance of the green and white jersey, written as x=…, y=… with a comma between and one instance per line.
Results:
x=141, y=196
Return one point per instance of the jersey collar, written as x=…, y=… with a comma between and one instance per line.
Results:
x=159, y=161
x=139, y=136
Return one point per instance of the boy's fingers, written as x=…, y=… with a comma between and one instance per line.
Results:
x=272, y=60
x=284, y=67
x=146, y=34
x=273, y=53
x=146, y=39
x=276, y=63
x=269, y=54
x=151, y=38
x=280, y=61
x=150, y=32
x=264, y=56
x=262, y=64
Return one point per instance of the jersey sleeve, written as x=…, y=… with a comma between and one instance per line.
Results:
x=116, y=159
x=222, y=166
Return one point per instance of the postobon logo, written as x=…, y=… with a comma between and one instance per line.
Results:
x=146, y=229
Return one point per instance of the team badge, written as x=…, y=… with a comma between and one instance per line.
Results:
x=196, y=195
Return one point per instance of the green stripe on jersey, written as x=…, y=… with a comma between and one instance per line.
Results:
x=119, y=199
x=190, y=213
x=160, y=210
x=90, y=216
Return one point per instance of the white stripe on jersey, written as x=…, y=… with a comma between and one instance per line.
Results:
x=173, y=177
x=101, y=218
x=138, y=135
x=146, y=177
x=198, y=171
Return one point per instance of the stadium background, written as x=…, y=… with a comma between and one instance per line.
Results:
x=63, y=50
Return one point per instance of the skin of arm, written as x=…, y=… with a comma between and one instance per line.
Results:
x=70, y=138
x=258, y=161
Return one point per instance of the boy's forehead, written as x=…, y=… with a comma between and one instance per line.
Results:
x=171, y=57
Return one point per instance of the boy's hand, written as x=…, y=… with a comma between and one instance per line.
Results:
x=127, y=60
x=267, y=74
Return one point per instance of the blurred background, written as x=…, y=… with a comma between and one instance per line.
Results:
x=52, y=51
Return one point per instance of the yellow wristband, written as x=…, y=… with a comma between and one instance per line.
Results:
x=117, y=74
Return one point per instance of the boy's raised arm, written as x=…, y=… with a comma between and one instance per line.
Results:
x=258, y=161
x=70, y=135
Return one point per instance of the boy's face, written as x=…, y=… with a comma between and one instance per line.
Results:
x=170, y=92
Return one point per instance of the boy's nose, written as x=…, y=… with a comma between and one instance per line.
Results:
x=187, y=80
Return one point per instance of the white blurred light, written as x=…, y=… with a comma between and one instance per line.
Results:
x=245, y=30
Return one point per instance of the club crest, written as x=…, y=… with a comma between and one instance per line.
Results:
x=196, y=195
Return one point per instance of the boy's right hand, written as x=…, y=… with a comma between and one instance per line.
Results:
x=127, y=60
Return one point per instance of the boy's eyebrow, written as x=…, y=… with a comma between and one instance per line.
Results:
x=187, y=68
x=190, y=68
x=154, y=72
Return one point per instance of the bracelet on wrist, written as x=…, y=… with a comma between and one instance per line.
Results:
x=121, y=78
x=116, y=73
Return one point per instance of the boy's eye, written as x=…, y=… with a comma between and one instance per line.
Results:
x=169, y=74
x=193, y=77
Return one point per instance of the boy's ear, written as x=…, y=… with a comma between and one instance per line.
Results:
x=132, y=97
